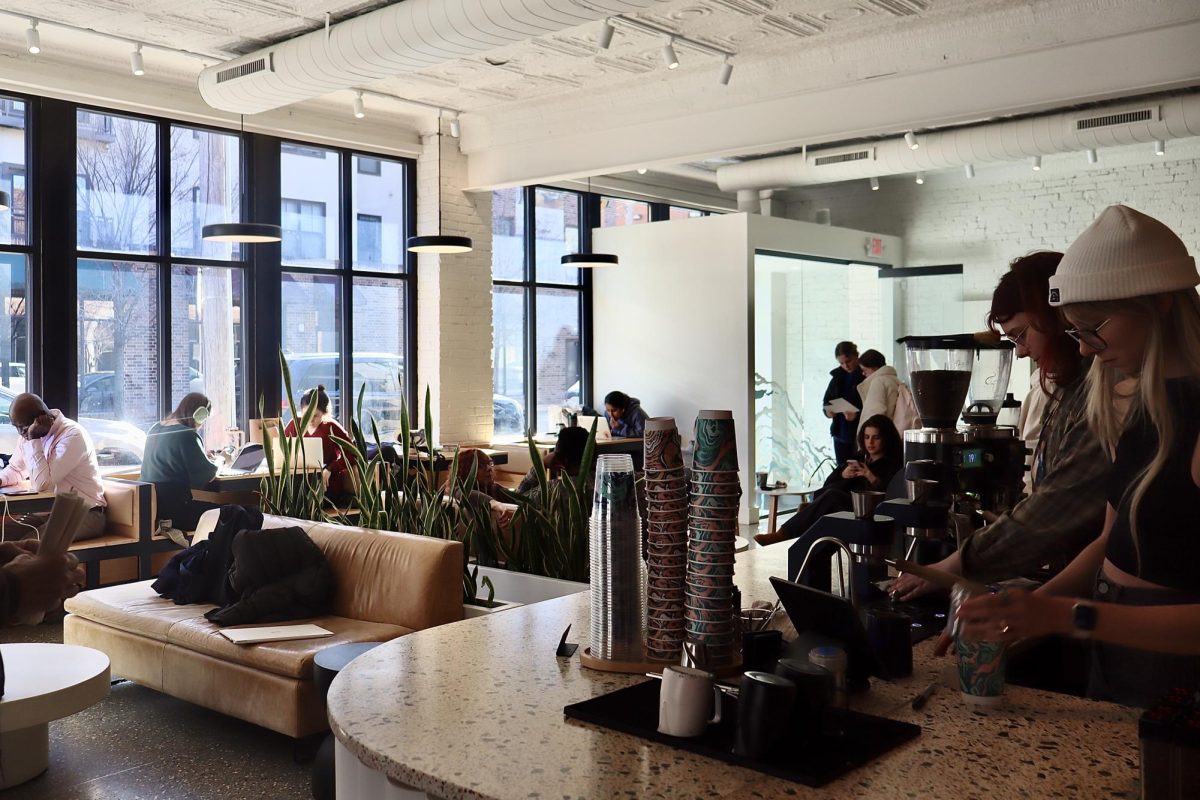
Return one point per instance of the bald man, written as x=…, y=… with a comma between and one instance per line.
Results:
x=54, y=454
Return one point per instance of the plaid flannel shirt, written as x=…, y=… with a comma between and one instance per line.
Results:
x=1064, y=513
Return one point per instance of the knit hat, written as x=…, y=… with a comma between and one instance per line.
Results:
x=1123, y=254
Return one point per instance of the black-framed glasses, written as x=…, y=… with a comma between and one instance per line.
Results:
x=1017, y=338
x=1090, y=336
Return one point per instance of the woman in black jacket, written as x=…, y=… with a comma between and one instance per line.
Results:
x=880, y=456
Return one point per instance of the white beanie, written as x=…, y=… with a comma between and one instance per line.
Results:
x=1123, y=254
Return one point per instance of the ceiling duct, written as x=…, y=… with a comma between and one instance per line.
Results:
x=403, y=37
x=1147, y=120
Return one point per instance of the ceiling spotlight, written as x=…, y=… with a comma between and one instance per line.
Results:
x=455, y=128
x=920, y=178
x=360, y=110
x=136, y=65
x=726, y=72
x=33, y=39
x=874, y=184
x=1092, y=155
x=1036, y=163
x=641, y=171
x=910, y=139
x=668, y=55
x=606, y=35
x=1160, y=147
x=969, y=169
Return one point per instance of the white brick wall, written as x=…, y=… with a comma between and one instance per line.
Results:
x=1008, y=210
x=454, y=300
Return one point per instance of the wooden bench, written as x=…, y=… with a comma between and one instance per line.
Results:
x=128, y=549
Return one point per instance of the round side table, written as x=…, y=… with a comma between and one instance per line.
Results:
x=326, y=666
x=43, y=682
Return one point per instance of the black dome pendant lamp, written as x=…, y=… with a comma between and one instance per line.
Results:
x=242, y=232
x=440, y=243
x=589, y=260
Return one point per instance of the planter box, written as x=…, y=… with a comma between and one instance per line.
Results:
x=519, y=588
x=472, y=611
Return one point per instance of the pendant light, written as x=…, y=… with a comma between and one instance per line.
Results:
x=242, y=232
x=589, y=260
x=440, y=243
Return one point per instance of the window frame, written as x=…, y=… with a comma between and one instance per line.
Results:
x=589, y=209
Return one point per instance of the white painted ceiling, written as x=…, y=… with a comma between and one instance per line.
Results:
x=782, y=47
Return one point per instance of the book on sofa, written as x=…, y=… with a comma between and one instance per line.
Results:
x=274, y=633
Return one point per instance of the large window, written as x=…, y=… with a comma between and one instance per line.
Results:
x=159, y=310
x=15, y=253
x=329, y=284
x=619, y=211
x=537, y=307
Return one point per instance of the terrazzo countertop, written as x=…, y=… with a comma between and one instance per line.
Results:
x=475, y=710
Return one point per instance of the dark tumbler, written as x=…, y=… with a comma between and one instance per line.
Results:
x=764, y=710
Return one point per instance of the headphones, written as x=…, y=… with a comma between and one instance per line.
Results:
x=200, y=415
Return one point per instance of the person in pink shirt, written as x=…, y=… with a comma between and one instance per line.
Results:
x=54, y=454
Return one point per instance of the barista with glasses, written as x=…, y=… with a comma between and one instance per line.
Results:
x=1127, y=286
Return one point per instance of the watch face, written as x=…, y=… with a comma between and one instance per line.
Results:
x=1085, y=617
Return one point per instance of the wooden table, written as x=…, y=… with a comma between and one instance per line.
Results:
x=31, y=503
x=43, y=682
x=773, y=496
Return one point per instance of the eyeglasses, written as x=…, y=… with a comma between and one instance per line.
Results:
x=1017, y=338
x=1090, y=336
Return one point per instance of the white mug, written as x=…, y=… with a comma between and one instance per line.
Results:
x=688, y=701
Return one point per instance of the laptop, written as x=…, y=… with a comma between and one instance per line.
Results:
x=307, y=452
x=603, y=432
x=249, y=459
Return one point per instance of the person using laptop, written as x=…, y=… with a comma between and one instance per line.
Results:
x=566, y=457
x=54, y=454
x=175, y=462
x=340, y=488
x=626, y=419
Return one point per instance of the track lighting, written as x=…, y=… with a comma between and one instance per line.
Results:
x=1036, y=163
x=1092, y=155
x=455, y=128
x=668, y=55
x=604, y=40
x=360, y=110
x=920, y=178
x=1160, y=147
x=969, y=169
x=874, y=184
x=910, y=139
x=726, y=72
x=33, y=39
x=136, y=65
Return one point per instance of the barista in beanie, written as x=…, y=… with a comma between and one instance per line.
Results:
x=1127, y=288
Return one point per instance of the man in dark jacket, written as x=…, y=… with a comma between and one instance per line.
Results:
x=843, y=383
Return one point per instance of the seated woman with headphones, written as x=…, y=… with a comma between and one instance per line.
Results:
x=175, y=462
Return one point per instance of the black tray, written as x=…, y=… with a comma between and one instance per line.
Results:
x=848, y=739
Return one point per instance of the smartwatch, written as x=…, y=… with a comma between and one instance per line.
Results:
x=1083, y=620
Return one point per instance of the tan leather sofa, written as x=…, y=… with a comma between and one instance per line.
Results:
x=387, y=585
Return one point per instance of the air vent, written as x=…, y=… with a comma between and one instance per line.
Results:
x=842, y=158
x=1121, y=118
x=246, y=68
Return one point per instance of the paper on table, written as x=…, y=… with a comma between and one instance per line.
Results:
x=839, y=405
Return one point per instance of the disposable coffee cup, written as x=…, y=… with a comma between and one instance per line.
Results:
x=981, y=663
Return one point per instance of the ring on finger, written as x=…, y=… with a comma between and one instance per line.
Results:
x=1004, y=626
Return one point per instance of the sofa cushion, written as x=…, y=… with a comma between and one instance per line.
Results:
x=290, y=659
x=135, y=608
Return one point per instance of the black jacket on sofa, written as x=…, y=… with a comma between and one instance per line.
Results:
x=200, y=574
x=277, y=574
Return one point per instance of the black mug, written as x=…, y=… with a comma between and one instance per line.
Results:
x=760, y=649
x=890, y=635
x=814, y=693
x=764, y=711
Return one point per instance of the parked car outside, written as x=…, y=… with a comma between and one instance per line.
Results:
x=508, y=417
x=118, y=444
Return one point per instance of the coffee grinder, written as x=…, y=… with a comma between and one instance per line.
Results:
x=976, y=467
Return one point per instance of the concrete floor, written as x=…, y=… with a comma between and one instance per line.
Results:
x=138, y=744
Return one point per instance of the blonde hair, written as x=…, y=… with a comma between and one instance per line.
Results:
x=1175, y=331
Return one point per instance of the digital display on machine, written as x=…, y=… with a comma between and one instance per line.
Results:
x=972, y=459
